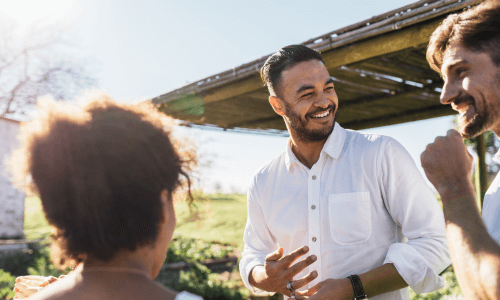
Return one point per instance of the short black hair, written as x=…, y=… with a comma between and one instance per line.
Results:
x=284, y=58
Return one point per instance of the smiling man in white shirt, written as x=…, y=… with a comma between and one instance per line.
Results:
x=354, y=202
x=464, y=49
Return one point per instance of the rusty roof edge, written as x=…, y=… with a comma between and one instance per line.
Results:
x=398, y=23
x=417, y=12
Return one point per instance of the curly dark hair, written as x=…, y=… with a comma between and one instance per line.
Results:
x=282, y=59
x=99, y=170
x=477, y=29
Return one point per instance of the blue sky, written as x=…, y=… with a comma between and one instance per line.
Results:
x=141, y=49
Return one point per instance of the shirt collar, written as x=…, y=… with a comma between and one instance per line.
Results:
x=333, y=146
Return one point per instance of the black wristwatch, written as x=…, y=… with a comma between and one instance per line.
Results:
x=359, y=292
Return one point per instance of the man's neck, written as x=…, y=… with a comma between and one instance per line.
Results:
x=306, y=152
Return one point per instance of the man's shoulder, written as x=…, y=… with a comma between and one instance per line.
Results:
x=366, y=140
x=370, y=146
x=271, y=166
x=268, y=172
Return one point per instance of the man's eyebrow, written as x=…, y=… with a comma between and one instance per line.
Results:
x=307, y=87
x=454, y=64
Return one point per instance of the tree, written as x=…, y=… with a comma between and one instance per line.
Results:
x=492, y=147
x=218, y=187
x=483, y=177
x=34, y=62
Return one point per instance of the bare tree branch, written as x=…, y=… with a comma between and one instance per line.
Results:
x=13, y=94
x=39, y=64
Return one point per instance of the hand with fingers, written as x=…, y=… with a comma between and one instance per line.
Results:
x=277, y=273
x=28, y=285
x=337, y=289
x=447, y=163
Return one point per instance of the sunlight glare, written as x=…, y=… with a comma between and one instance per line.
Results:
x=26, y=12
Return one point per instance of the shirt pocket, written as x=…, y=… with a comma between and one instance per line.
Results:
x=350, y=217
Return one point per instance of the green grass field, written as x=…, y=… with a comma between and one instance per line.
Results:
x=221, y=218
x=218, y=217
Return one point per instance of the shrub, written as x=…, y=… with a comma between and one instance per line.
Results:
x=17, y=264
x=7, y=282
x=43, y=266
x=199, y=280
x=35, y=260
x=191, y=250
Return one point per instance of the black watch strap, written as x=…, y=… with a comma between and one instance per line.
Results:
x=359, y=292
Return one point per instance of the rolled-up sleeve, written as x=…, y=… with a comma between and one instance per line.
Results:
x=259, y=241
x=415, y=209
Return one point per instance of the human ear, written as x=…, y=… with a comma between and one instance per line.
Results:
x=277, y=105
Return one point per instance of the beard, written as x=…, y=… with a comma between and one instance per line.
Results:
x=300, y=126
x=474, y=126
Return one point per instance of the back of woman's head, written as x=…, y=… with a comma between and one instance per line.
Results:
x=99, y=170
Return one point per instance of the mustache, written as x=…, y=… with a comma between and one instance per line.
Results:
x=332, y=107
x=464, y=98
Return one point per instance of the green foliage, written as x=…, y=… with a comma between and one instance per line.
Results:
x=43, y=266
x=191, y=250
x=33, y=261
x=492, y=146
x=451, y=288
x=17, y=264
x=199, y=280
x=7, y=282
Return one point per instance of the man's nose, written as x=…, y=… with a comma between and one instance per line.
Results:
x=322, y=101
x=449, y=93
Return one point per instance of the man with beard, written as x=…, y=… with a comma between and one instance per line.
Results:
x=465, y=50
x=354, y=202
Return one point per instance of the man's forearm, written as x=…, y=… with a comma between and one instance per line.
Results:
x=475, y=255
x=381, y=280
x=375, y=282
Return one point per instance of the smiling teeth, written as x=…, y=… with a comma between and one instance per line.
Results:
x=322, y=115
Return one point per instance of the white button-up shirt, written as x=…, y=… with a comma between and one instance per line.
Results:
x=363, y=204
x=491, y=206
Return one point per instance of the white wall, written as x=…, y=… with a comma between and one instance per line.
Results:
x=11, y=199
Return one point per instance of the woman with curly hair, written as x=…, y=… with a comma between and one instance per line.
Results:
x=105, y=173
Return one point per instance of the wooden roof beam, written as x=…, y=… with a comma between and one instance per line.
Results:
x=403, y=117
x=406, y=91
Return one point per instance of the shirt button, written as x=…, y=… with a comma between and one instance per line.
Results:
x=314, y=239
x=314, y=177
x=313, y=207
